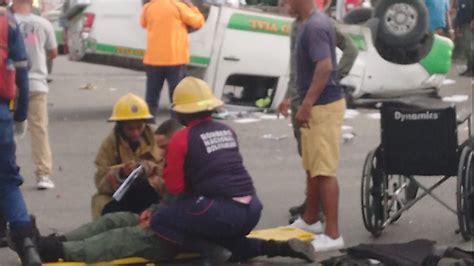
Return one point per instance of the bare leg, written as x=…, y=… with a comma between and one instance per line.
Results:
x=329, y=193
x=311, y=213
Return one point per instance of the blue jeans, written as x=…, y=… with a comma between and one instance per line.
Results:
x=155, y=78
x=222, y=221
x=12, y=204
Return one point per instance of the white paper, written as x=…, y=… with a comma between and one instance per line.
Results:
x=246, y=120
x=269, y=117
x=456, y=98
x=273, y=137
x=375, y=116
x=347, y=128
x=351, y=114
x=447, y=82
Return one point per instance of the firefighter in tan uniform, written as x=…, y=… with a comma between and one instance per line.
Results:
x=131, y=141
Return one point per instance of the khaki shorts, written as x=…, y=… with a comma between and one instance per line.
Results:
x=320, y=142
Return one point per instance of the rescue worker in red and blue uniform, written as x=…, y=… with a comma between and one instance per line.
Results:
x=12, y=204
x=218, y=201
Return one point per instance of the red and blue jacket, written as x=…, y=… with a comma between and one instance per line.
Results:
x=204, y=159
x=17, y=54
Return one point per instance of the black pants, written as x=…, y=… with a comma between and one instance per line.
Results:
x=155, y=78
x=222, y=221
x=138, y=198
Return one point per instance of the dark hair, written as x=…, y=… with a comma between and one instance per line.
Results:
x=168, y=127
x=186, y=118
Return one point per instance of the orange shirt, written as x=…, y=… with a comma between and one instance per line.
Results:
x=166, y=22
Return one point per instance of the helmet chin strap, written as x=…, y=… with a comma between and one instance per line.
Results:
x=133, y=144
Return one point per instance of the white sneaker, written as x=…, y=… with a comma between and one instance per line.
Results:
x=315, y=228
x=322, y=243
x=44, y=182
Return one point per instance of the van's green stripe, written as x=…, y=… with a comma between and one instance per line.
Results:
x=438, y=61
x=59, y=37
x=358, y=41
x=200, y=60
x=259, y=24
x=138, y=53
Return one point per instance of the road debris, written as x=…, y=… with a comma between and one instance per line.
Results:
x=273, y=137
x=246, y=120
x=270, y=117
x=88, y=86
x=456, y=98
x=351, y=114
x=448, y=82
x=263, y=102
x=375, y=116
x=225, y=114
x=348, y=137
x=347, y=128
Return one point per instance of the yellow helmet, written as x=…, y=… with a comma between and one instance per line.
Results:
x=193, y=95
x=130, y=107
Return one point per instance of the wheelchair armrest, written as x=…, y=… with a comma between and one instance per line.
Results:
x=463, y=118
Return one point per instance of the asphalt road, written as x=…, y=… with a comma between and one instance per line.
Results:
x=78, y=125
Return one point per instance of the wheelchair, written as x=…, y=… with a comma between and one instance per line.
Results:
x=417, y=140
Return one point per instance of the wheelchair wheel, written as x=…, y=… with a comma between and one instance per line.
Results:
x=465, y=191
x=372, y=195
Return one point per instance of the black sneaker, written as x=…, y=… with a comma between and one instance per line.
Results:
x=297, y=210
x=212, y=252
x=301, y=249
x=3, y=232
x=3, y=242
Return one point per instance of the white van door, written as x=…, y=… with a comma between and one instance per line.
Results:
x=201, y=41
x=116, y=30
x=252, y=44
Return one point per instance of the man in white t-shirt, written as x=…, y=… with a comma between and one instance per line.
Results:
x=40, y=42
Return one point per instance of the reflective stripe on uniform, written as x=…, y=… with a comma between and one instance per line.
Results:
x=21, y=64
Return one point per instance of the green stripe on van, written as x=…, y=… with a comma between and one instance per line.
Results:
x=138, y=53
x=59, y=37
x=261, y=24
x=200, y=60
x=438, y=61
x=358, y=41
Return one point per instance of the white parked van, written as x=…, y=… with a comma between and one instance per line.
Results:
x=243, y=53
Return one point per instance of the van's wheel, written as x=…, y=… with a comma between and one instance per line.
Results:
x=358, y=15
x=402, y=22
x=465, y=191
x=373, y=187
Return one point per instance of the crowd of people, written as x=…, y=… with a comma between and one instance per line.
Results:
x=453, y=19
x=194, y=193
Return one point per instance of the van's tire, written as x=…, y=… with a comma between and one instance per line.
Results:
x=358, y=16
x=402, y=22
x=406, y=55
